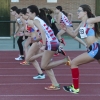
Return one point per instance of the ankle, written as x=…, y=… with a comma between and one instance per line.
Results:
x=41, y=74
x=60, y=40
x=22, y=55
x=56, y=85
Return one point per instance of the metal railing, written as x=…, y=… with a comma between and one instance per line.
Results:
x=13, y=30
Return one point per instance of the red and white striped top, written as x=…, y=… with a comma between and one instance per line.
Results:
x=65, y=20
x=48, y=31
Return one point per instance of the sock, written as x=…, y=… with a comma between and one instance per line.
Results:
x=41, y=74
x=75, y=76
x=57, y=85
x=23, y=58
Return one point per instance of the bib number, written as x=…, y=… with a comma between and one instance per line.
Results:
x=19, y=21
x=82, y=32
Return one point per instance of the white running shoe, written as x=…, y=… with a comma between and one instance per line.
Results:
x=19, y=58
x=39, y=76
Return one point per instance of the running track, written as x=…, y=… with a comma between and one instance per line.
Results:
x=16, y=81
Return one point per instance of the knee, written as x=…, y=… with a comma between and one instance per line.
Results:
x=27, y=58
x=73, y=64
x=43, y=67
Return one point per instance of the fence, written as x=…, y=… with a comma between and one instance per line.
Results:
x=14, y=30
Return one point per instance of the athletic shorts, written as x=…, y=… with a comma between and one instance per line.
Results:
x=94, y=51
x=52, y=46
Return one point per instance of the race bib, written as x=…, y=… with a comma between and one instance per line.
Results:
x=82, y=32
x=19, y=21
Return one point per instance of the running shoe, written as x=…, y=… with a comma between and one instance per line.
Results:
x=71, y=89
x=39, y=76
x=25, y=63
x=56, y=54
x=52, y=87
x=62, y=41
x=60, y=50
x=19, y=58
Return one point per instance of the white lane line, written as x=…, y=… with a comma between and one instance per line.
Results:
x=17, y=75
x=80, y=95
x=45, y=83
x=39, y=62
x=30, y=67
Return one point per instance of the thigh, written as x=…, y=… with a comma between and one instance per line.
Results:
x=22, y=29
x=61, y=32
x=47, y=55
x=27, y=42
x=71, y=28
x=81, y=59
x=40, y=45
x=32, y=50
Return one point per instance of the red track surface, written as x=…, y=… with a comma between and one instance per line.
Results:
x=16, y=81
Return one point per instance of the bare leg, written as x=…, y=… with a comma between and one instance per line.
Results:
x=44, y=63
x=81, y=59
x=52, y=77
x=37, y=67
x=61, y=32
x=27, y=42
x=56, y=64
x=32, y=51
x=35, y=57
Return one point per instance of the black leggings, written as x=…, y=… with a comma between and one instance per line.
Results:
x=19, y=42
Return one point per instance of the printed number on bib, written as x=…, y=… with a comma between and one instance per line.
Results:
x=82, y=32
